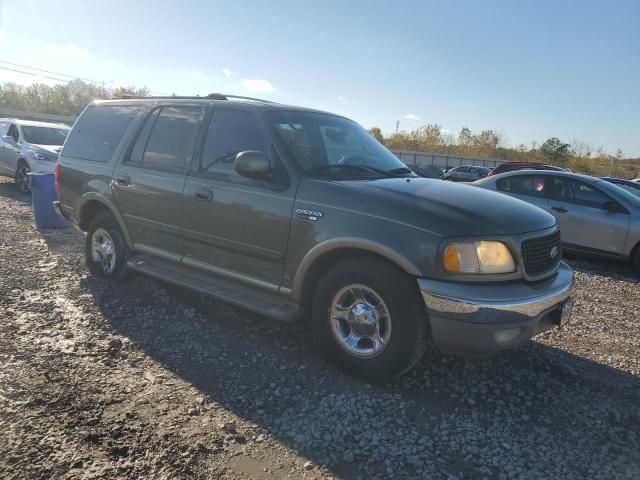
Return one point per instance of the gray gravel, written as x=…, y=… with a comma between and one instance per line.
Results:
x=141, y=380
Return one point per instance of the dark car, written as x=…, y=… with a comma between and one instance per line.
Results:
x=631, y=186
x=511, y=166
x=465, y=173
x=301, y=215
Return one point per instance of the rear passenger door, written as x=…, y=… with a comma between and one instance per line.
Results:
x=235, y=226
x=148, y=184
x=530, y=188
x=583, y=222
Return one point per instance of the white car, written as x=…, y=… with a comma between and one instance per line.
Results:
x=27, y=146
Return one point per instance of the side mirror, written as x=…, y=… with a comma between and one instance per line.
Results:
x=9, y=139
x=611, y=206
x=253, y=164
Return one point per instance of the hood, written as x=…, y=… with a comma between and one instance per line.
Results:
x=451, y=209
x=51, y=149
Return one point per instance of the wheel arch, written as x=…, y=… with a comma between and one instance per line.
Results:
x=326, y=254
x=93, y=204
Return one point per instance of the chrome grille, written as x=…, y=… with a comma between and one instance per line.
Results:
x=536, y=253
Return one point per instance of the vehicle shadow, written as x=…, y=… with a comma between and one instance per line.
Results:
x=607, y=268
x=439, y=417
x=8, y=190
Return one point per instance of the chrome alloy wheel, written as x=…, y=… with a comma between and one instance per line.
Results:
x=360, y=321
x=102, y=250
x=22, y=179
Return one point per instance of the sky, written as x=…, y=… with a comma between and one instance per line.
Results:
x=529, y=70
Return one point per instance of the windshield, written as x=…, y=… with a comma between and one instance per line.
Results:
x=621, y=192
x=325, y=144
x=44, y=135
x=633, y=189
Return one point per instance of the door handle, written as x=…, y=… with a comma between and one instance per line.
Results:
x=559, y=209
x=123, y=180
x=204, y=194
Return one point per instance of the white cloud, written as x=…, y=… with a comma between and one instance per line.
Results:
x=228, y=73
x=411, y=116
x=341, y=98
x=3, y=37
x=66, y=52
x=255, y=85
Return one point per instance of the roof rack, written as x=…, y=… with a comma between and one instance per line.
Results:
x=211, y=96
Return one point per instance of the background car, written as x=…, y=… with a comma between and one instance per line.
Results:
x=629, y=185
x=595, y=217
x=426, y=171
x=27, y=146
x=465, y=173
x=511, y=166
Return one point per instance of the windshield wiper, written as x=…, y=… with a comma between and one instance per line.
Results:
x=400, y=171
x=326, y=168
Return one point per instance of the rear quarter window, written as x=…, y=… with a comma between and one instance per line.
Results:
x=98, y=132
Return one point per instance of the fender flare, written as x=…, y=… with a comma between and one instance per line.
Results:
x=348, y=243
x=97, y=197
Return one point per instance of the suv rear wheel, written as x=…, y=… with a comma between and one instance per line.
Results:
x=105, y=249
x=369, y=318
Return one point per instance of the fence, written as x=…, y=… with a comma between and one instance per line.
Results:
x=442, y=160
x=40, y=117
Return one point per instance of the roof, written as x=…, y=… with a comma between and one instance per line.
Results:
x=212, y=99
x=33, y=123
x=533, y=171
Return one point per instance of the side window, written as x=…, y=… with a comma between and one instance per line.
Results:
x=172, y=138
x=231, y=132
x=556, y=188
x=141, y=142
x=586, y=195
x=530, y=185
x=461, y=170
x=13, y=132
x=99, y=131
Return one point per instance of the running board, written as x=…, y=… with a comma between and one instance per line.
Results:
x=271, y=305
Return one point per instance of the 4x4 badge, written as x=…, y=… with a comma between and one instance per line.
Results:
x=312, y=215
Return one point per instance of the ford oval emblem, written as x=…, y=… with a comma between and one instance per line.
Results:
x=554, y=252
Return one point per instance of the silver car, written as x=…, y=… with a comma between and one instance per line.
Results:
x=27, y=146
x=595, y=217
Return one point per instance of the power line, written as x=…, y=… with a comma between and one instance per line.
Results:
x=73, y=77
x=33, y=74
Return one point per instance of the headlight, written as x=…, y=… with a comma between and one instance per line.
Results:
x=478, y=257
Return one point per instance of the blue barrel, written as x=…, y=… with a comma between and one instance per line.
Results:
x=43, y=194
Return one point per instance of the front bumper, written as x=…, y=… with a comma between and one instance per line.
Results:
x=471, y=318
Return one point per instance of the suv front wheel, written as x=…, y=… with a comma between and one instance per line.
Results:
x=369, y=318
x=105, y=249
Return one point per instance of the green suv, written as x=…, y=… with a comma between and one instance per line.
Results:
x=301, y=215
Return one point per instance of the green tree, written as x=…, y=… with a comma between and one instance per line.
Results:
x=555, y=150
x=377, y=134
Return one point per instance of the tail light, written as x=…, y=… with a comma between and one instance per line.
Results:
x=490, y=174
x=56, y=176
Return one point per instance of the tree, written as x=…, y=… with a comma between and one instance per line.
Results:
x=555, y=150
x=377, y=134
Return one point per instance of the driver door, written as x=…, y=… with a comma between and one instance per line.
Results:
x=235, y=226
x=583, y=222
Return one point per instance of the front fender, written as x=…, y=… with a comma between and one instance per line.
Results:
x=341, y=243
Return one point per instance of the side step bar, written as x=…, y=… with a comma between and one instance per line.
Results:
x=264, y=303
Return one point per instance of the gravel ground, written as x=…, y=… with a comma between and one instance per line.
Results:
x=139, y=380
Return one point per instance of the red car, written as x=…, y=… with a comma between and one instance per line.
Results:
x=511, y=166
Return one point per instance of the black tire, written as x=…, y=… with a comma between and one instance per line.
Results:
x=107, y=223
x=636, y=259
x=408, y=335
x=21, y=178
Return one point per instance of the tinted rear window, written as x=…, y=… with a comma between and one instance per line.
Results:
x=98, y=132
